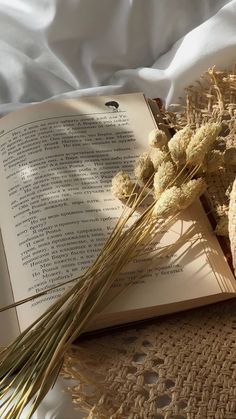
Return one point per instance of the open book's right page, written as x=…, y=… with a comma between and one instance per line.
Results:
x=192, y=271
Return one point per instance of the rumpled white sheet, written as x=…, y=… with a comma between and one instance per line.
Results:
x=70, y=48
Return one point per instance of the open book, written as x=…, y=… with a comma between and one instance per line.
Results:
x=57, y=161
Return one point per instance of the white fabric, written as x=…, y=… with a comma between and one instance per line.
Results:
x=68, y=48
x=85, y=47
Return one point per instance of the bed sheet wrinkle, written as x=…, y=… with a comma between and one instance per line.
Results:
x=84, y=43
x=31, y=14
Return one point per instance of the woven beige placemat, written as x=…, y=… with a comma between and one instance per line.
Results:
x=178, y=367
x=182, y=366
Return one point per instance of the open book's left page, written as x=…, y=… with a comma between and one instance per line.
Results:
x=9, y=326
x=57, y=161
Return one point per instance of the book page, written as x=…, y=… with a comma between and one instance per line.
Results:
x=194, y=268
x=9, y=326
x=57, y=163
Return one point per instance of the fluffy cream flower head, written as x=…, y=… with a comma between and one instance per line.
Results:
x=190, y=191
x=163, y=177
x=157, y=138
x=168, y=203
x=178, y=144
x=201, y=143
x=143, y=168
x=122, y=186
x=158, y=156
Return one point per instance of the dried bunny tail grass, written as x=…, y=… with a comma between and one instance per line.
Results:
x=157, y=138
x=163, y=177
x=168, y=203
x=178, y=144
x=201, y=143
x=144, y=168
x=230, y=156
x=158, y=156
x=191, y=190
x=122, y=186
x=214, y=160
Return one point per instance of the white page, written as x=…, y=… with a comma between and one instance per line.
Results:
x=9, y=327
x=57, y=162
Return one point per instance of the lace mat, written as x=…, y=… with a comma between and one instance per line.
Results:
x=177, y=367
